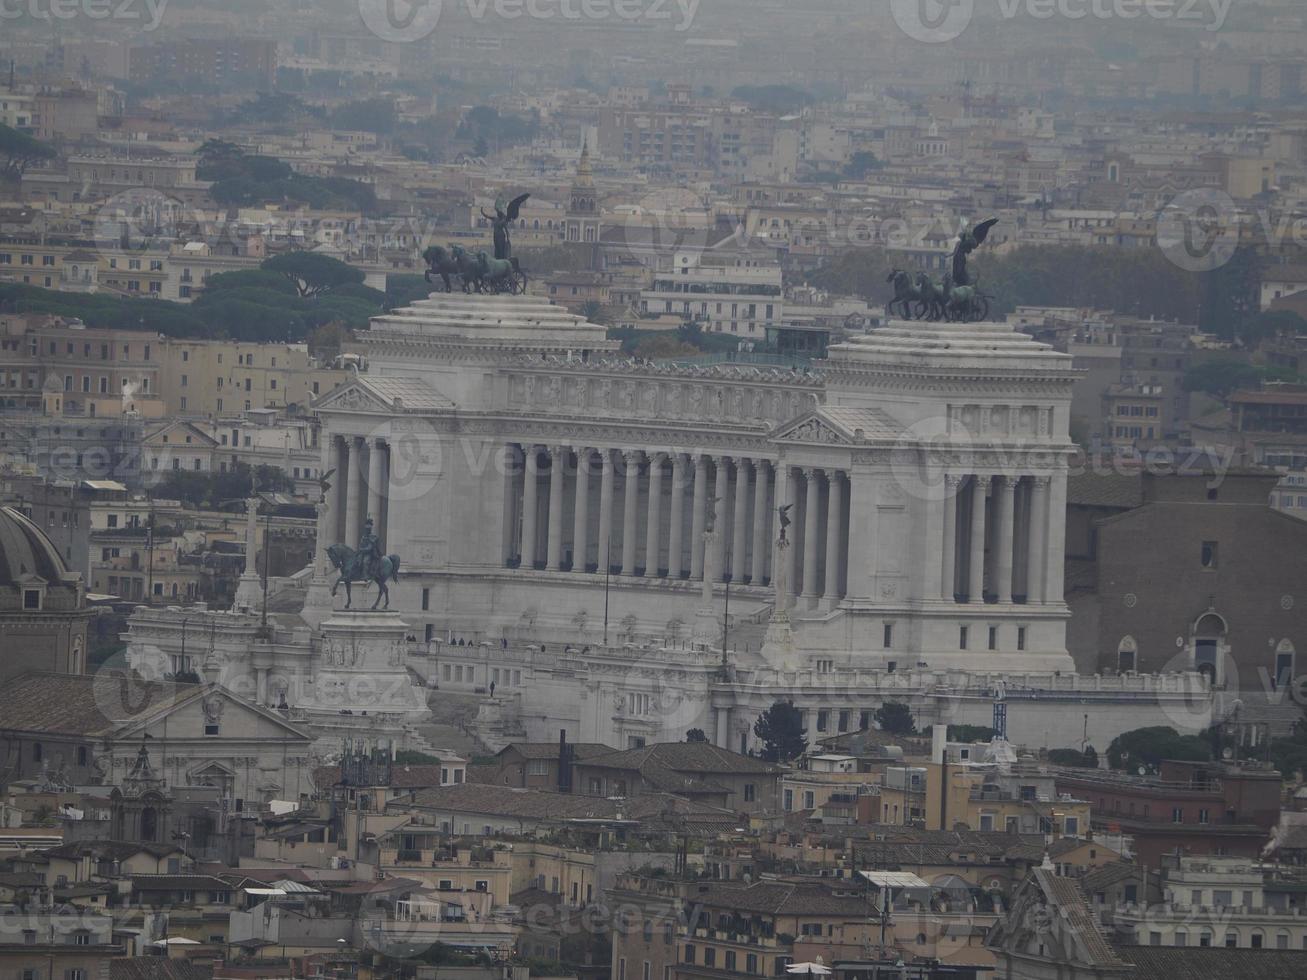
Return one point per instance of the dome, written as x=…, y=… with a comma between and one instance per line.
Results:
x=26, y=551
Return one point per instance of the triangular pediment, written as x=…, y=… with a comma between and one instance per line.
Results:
x=354, y=396
x=813, y=429
x=385, y=395
x=188, y=716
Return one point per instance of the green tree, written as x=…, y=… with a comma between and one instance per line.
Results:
x=1074, y=758
x=1222, y=377
x=312, y=273
x=326, y=341
x=696, y=735
x=1147, y=748
x=896, y=718
x=964, y=733
x=18, y=151
x=780, y=729
x=860, y=164
x=593, y=311
x=249, y=279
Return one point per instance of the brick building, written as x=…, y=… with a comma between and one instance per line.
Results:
x=1188, y=571
x=1188, y=808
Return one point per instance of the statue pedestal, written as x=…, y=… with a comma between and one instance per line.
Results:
x=249, y=593
x=360, y=685
x=778, y=645
x=707, y=627
x=319, y=605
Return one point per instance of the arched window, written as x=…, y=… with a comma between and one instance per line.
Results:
x=1127, y=655
x=1209, y=632
x=149, y=824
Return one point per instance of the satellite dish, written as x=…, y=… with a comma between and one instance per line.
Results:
x=1143, y=770
x=1227, y=754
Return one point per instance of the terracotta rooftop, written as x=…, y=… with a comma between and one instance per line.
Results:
x=1213, y=963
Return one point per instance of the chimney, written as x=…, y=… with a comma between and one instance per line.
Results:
x=564, y=763
x=938, y=742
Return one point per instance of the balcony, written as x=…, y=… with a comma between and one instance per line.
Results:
x=741, y=938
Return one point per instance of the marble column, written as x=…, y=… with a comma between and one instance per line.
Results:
x=1004, y=503
x=604, y=543
x=512, y=503
x=1053, y=521
x=761, y=518
x=675, y=551
x=1037, y=553
x=976, y=566
x=581, y=512
x=834, y=537
x=739, y=539
x=699, y=516
x=630, y=547
x=721, y=476
x=653, y=542
x=376, y=485
x=811, y=531
x=948, y=583
x=353, y=492
x=383, y=516
x=339, y=503
x=557, y=474
x=723, y=732
x=530, y=504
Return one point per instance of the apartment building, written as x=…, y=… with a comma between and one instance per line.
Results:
x=1192, y=808
x=1234, y=903
x=1265, y=428
x=229, y=62
x=725, y=292
x=214, y=378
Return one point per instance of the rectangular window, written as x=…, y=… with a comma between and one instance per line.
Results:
x=1021, y=637
x=1177, y=814
x=888, y=636
x=962, y=637
x=993, y=637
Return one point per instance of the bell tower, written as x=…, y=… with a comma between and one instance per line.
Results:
x=583, y=219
